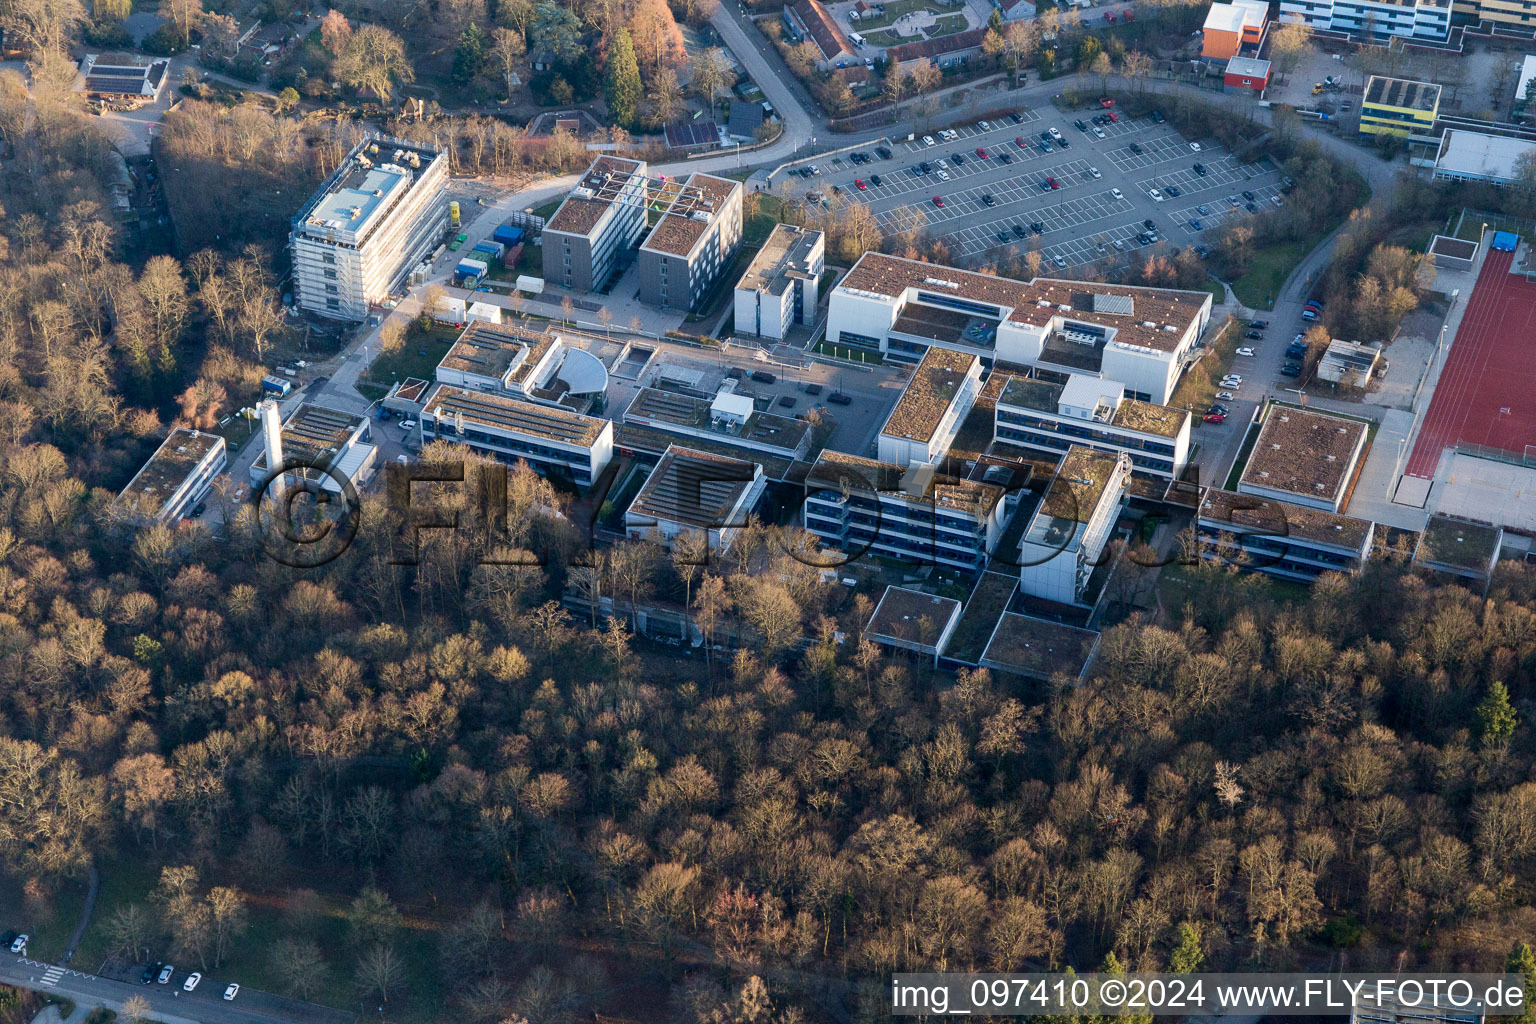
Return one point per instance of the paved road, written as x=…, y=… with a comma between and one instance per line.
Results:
x=168, y=1003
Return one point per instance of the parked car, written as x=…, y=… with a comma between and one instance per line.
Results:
x=958, y=158
x=1174, y=191
x=859, y=184
x=1200, y=169
x=1290, y=370
x=1247, y=195
x=1254, y=335
x=150, y=970
x=1215, y=417
x=1218, y=407
x=1195, y=146
x=165, y=974
x=1149, y=224
x=986, y=197
x=1064, y=144
x=1256, y=324
x=1250, y=208
x=1055, y=132
x=231, y=992
x=1194, y=223
x=1016, y=118
x=1080, y=125
x=1002, y=237
x=874, y=179
x=1093, y=172
x=1038, y=227
x=928, y=140
x=1106, y=102
x=938, y=200
x=885, y=154
x=1098, y=132
x=1117, y=193
x=1202, y=209
x=1226, y=396
x=1157, y=117
x=1020, y=231
x=1053, y=183
x=191, y=982
x=985, y=126
x=1006, y=158
x=1136, y=147
x=19, y=944
x=1245, y=351
x=1119, y=245
x=981, y=152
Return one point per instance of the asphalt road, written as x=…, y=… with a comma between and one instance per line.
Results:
x=167, y=1002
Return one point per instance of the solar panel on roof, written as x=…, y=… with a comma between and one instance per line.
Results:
x=1124, y=305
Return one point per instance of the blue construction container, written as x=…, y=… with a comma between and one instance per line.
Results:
x=507, y=235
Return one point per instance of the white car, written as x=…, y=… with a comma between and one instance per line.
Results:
x=1226, y=396
x=20, y=945
x=985, y=126
x=1195, y=146
x=165, y=974
x=1277, y=200
x=1119, y=245
x=927, y=140
x=1099, y=132
x=231, y=992
x=1095, y=172
x=402, y=459
x=1156, y=194
x=191, y=982
x=1245, y=351
x=407, y=424
x=943, y=174
x=1117, y=193
x=1056, y=134
x=942, y=163
x=1059, y=261
x=1228, y=382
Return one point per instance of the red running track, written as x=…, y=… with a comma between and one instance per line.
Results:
x=1491, y=368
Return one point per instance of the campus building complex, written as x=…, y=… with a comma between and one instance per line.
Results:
x=553, y=441
x=1396, y=106
x=1279, y=539
x=781, y=285
x=1507, y=14
x=1304, y=458
x=1490, y=159
x=900, y=308
x=691, y=491
x=176, y=478
x=1094, y=413
x=926, y=418
x=587, y=239
x=1231, y=26
x=1373, y=20
x=375, y=218
x=692, y=243
x=1065, y=539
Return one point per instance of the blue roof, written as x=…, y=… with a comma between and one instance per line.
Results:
x=1505, y=241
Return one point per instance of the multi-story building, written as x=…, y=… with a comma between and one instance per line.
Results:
x=911, y=620
x=1065, y=538
x=376, y=217
x=1278, y=538
x=1459, y=547
x=1231, y=26
x=1373, y=20
x=1095, y=413
x=781, y=285
x=1506, y=14
x=588, y=239
x=525, y=364
x=810, y=19
x=553, y=441
x=910, y=514
x=934, y=404
x=900, y=308
x=319, y=446
x=176, y=478
x=1490, y=159
x=729, y=419
x=692, y=243
x=1304, y=458
x=1395, y=106
x=691, y=491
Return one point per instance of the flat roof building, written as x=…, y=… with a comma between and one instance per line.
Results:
x=911, y=620
x=933, y=405
x=782, y=283
x=1245, y=74
x=1397, y=106
x=1459, y=547
x=587, y=241
x=552, y=440
x=1304, y=458
x=1230, y=26
x=690, y=246
x=900, y=308
x=176, y=478
x=535, y=366
x=1278, y=538
x=1506, y=14
x=1348, y=363
x=691, y=491
x=1372, y=21
x=1095, y=413
x=1490, y=159
x=1039, y=648
x=729, y=423
x=316, y=437
x=376, y=217
x=1065, y=537
x=910, y=514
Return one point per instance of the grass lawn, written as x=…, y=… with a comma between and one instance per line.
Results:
x=948, y=25
x=853, y=355
x=885, y=37
x=1216, y=288
x=1198, y=388
x=49, y=930
x=756, y=228
x=1270, y=268
x=1241, y=462
x=1471, y=229
x=548, y=209
x=893, y=10
x=418, y=357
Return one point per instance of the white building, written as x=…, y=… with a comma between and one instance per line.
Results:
x=176, y=478
x=934, y=404
x=312, y=438
x=552, y=440
x=1491, y=159
x=911, y=515
x=525, y=364
x=900, y=308
x=1065, y=538
x=781, y=285
x=1095, y=413
x=1304, y=458
x=691, y=491
x=377, y=216
x=1428, y=20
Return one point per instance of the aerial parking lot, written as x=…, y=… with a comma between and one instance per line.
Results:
x=1081, y=186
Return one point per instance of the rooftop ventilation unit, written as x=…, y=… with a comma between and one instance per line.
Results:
x=940, y=283
x=582, y=192
x=1064, y=308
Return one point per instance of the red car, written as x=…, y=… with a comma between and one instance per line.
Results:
x=1109, y=16
x=1105, y=101
x=1053, y=183
x=981, y=152
x=1215, y=417
x=938, y=200
x=860, y=182
x=1021, y=143
x=1128, y=14
x=1114, y=116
